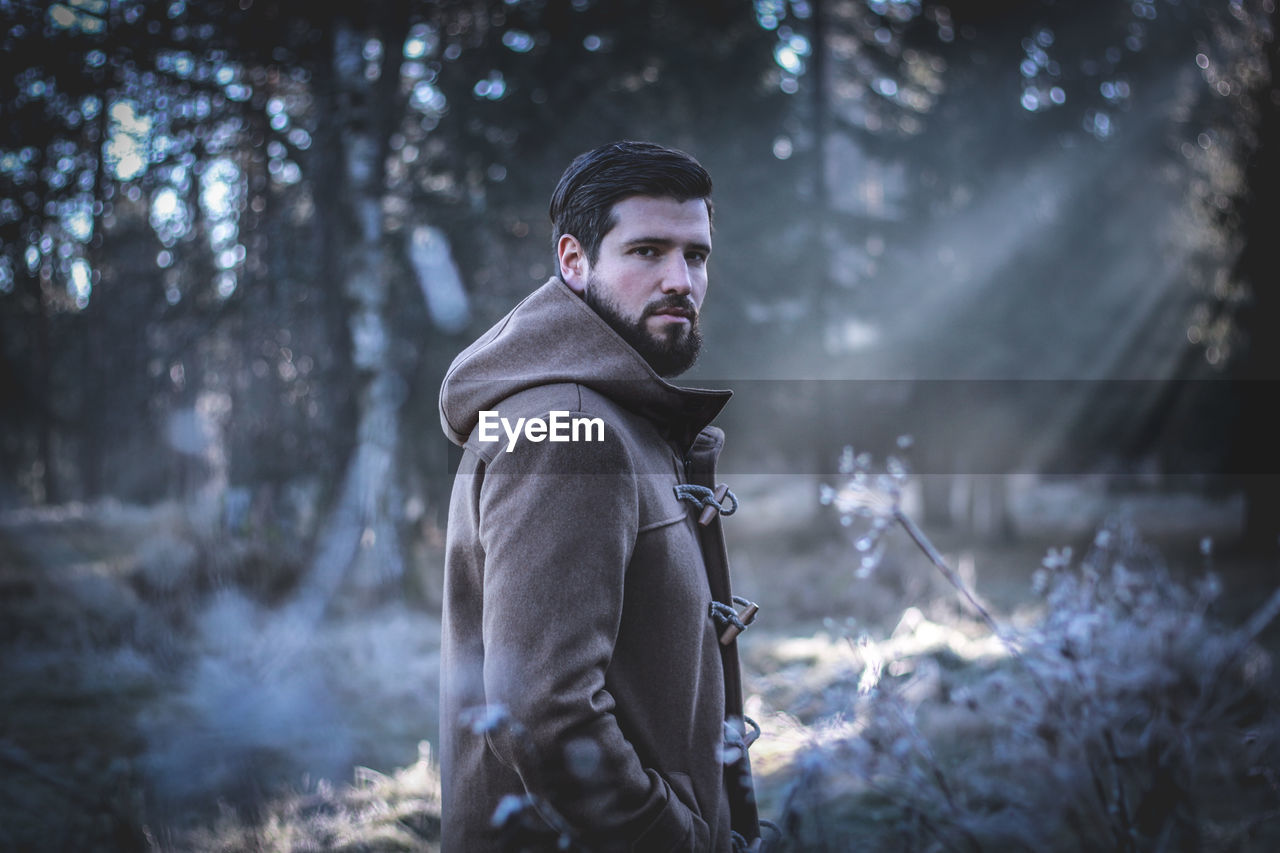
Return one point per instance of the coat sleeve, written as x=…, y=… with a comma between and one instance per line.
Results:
x=558, y=522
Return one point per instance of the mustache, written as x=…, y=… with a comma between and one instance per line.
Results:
x=672, y=304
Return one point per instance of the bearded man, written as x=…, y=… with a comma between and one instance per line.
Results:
x=590, y=690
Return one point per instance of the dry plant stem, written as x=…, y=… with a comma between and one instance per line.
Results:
x=15, y=756
x=926, y=753
x=917, y=536
x=1125, y=831
x=932, y=829
x=1258, y=622
x=919, y=815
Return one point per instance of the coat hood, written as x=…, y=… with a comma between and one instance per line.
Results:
x=553, y=337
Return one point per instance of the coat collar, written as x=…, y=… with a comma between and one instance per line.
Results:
x=551, y=337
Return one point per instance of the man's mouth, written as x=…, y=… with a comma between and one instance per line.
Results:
x=674, y=312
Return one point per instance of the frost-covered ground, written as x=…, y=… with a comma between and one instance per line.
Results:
x=159, y=690
x=153, y=677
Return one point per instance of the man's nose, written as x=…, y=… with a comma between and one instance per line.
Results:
x=677, y=277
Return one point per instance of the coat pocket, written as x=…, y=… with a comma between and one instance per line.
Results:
x=680, y=828
x=683, y=787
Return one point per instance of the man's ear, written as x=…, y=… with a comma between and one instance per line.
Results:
x=575, y=269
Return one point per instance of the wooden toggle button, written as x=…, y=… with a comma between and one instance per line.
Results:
x=747, y=617
x=710, y=510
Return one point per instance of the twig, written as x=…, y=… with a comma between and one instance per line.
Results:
x=1253, y=628
x=16, y=756
x=1117, y=787
x=917, y=535
x=939, y=778
x=1259, y=621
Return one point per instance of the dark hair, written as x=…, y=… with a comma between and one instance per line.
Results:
x=582, y=204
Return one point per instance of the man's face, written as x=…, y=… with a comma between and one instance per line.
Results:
x=650, y=278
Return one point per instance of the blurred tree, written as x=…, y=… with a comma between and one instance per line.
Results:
x=1255, y=453
x=240, y=244
x=156, y=121
x=289, y=196
x=942, y=255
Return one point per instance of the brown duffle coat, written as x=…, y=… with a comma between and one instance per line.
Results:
x=581, y=664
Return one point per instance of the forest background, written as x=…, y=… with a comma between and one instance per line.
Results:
x=240, y=243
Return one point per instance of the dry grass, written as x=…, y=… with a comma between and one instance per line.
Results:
x=399, y=813
x=145, y=652
x=150, y=678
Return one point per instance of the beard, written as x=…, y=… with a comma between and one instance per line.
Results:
x=670, y=352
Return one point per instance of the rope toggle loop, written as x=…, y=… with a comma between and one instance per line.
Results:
x=730, y=620
x=739, y=735
x=711, y=502
x=738, y=738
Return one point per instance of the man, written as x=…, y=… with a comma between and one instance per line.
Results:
x=590, y=691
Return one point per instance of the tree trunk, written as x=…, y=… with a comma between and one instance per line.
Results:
x=828, y=390
x=1255, y=450
x=359, y=553
x=91, y=381
x=92, y=318
x=48, y=491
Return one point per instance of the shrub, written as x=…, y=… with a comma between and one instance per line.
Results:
x=1125, y=717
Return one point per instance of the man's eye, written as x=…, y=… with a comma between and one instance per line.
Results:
x=696, y=257
x=646, y=251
